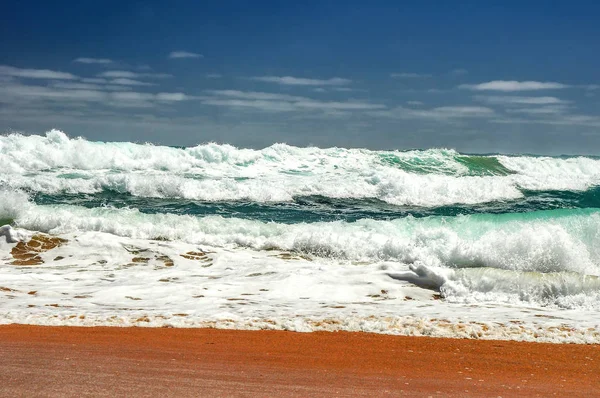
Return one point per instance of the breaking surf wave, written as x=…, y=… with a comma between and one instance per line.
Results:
x=298, y=230
x=55, y=164
x=508, y=251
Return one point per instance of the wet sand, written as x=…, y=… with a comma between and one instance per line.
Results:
x=136, y=362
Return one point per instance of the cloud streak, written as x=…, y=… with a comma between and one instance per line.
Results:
x=184, y=55
x=443, y=113
x=274, y=102
x=130, y=82
x=117, y=74
x=35, y=73
x=408, y=75
x=255, y=95
x=75, y=94
x=555, y=119
x=95, y=80
x=513, y=85
x=76, y=86
x=516, y=100
x=99, y=61
x=299, y=81
x=544, y=110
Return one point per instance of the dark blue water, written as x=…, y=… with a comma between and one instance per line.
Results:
x=318, y=208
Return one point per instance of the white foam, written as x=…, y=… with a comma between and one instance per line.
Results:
x=524, y=276
x=562, y=242
x=56, y=150
x=544, y=173
x=567, y=290
x=94, y=280
x=54, y=163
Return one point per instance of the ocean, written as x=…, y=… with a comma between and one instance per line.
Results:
x=421, y=242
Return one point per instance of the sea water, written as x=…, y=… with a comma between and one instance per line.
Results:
x=421, y=242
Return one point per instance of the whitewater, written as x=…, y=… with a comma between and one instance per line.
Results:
x=421, y=242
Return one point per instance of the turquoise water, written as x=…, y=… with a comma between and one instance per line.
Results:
x=320, y=208
x=435, y=207
x=408, y=242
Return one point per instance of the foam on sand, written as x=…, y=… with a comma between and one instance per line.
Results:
x=96, y=278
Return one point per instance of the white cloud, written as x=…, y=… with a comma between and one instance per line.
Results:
x=269, y=106
x=35, y=73
x=256, y=95
x=512, y=100
x=544, y=110
x=337, y=105
x=101, y=61
x=184, y=54
x=172, y=97
x=274, y=102
x=414, y=102
x=462, y=111
x=77, y=94
x=213, y=76
x=440, y=113
x=585, y=120
x=131, y=96
x=559, y=120
x=116, y=87
x=130, y=82
x=100, y=84
x=407, y=75
x=142, y=100
x=41, y=93
x=119, y=73
x=513, y=85
x=299, y=81
x=94, y=80
x=76, y=86
x=132, y=75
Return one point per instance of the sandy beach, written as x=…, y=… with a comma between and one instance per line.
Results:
x=100, y=361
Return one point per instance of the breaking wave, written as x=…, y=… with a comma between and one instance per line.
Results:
x=54, y=164
x=539, y=256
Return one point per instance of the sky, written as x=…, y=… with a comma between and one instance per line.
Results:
x=476, y=76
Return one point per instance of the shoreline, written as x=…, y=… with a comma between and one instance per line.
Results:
x=98, y=361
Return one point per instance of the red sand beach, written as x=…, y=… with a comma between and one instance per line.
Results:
x=71, y=361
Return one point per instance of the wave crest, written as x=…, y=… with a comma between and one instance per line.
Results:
x=55, y=163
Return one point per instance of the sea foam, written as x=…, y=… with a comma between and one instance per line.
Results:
x=55, y=163
x=125, y=258
x=562, y=242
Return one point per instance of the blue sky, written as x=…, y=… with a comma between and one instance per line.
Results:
x=493, y=76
